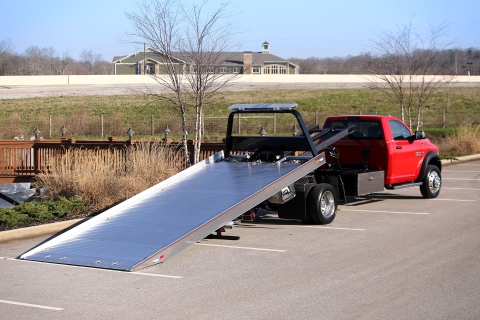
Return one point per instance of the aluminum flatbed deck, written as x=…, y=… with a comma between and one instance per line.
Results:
x=165, y=219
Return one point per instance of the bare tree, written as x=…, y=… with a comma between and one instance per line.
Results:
x=403, y=67
x=40, y=61
x=104, y=67
x=33, y=56
x=50, y=61
x=65, y=60
x=6, y=55
x=90, y=59
x=192, y=43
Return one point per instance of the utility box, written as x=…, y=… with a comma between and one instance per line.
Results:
x=364, y=183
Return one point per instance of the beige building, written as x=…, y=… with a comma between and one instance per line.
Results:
x=153, y=62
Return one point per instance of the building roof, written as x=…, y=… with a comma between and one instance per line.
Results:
x=225, y=58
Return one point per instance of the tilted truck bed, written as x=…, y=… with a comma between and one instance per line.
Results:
x=165, y=219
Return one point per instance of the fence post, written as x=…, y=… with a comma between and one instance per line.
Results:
x=239, y=130
x=153, y=124
x=443, y=117
x=448, y=95
x=101, y=124
x=274, y=123
x=190, y=144
x=36, y=158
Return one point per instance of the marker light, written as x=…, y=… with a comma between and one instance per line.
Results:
x=263, y=107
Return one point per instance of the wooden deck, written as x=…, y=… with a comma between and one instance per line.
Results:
x=21, y=161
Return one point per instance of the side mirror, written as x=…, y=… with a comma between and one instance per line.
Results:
x=420, y=135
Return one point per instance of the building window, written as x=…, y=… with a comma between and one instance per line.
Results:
x=236, y=70
x=274, y=69
x=223, y=69
x=256, y=70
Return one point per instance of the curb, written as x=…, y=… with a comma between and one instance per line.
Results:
x=49, y=228
x=52, y=228
x=461, y=159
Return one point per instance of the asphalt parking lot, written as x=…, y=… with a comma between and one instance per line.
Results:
x=392, y=255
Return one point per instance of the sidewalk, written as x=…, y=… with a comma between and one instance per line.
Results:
x=44, y=229
x=52, y=228
x=461, y=159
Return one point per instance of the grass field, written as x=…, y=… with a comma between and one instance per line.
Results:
x=102, y=116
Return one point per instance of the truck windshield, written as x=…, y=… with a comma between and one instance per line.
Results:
x=365, y=129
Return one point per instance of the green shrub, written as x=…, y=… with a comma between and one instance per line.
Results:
x=29, y=213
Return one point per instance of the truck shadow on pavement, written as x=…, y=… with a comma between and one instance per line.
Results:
x=376, y=197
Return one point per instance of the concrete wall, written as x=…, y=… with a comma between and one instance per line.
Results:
x=142, y=79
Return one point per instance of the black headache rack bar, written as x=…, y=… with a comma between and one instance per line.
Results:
x=303, y=141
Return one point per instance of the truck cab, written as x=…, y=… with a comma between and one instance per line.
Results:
x=385, y=143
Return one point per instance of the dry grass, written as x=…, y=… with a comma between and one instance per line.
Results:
x=103, y=178
x=463, y=142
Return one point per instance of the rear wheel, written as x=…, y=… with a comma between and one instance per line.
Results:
x=432, y=182
x=322, y=203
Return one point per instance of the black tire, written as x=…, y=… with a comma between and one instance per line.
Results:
x=432, y=182
x=322, y=203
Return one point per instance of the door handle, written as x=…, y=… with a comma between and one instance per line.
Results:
x=399, y=147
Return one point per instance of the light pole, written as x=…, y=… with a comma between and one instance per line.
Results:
x=469, y=67
x=37, y=133
x=262, y=132
x=130, y=133
x=294, y=130
x=63, y=131
x=167, y=132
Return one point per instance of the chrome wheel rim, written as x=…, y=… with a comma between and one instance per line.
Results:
x=434, y=182
x=327, y=204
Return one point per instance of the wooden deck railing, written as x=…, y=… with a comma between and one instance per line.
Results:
x=21, y=160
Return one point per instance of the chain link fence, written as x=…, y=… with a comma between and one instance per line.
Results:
x=100, y=127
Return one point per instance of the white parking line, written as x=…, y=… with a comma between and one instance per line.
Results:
x=457, y=200
x=460, y=188
x=235, y=247
x=356, y=210
x=460, y=179
x=152, y=274
x=31, y=305
x=334, y=228
x=459, y=171
x=96, y=269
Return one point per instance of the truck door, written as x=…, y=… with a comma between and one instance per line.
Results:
x=407, y=153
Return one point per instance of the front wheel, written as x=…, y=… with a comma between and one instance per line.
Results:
x=432, y=182
x=322, y=203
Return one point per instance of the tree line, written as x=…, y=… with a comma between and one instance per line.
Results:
x=456, y=61
x=47, y=61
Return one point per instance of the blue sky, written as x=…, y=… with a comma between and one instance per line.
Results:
x=313, y=28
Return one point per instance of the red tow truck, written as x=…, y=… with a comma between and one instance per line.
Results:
x=384, y=152
x=367, y=154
